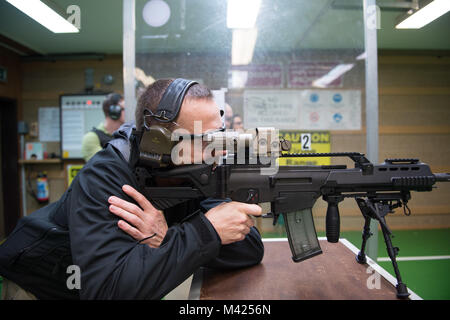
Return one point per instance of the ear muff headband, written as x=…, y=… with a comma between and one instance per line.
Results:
x=170, y=104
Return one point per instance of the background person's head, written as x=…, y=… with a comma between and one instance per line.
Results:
x=237, y=123
x=228, y=116
x=113, y=108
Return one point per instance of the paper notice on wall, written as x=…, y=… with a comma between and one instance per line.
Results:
x=303, y=109
x=49, y=127
x=271, y=108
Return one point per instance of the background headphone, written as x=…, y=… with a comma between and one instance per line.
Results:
x=114, y=109
x=155, y=143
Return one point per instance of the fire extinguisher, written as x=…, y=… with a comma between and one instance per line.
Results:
x=42, y=187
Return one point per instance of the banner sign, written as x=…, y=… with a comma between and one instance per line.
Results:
x=307, y=142
x=256, y=76
x=72, y=171
x=302, y=74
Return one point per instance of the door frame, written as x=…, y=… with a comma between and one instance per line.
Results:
x=10, y=166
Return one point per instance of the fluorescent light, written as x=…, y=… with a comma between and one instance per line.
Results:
x=334, y=74
x=243, y=45
x=362, y=56
x=43, y=14
x=425, y=15
x=242, y=13
x=237, y=79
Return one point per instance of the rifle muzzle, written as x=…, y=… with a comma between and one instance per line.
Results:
x=442, y=177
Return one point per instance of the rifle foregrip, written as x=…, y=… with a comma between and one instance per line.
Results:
x=333, y=222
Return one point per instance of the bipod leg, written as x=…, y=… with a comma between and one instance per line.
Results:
x=402, y=291
x=361, y=257
x=366, y=234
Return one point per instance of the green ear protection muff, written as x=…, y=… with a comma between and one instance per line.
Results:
x=155, y=145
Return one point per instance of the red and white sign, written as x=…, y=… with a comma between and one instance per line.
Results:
x=258, y=75
x=302, y=74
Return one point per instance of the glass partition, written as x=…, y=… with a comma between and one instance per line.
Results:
x=296, y=65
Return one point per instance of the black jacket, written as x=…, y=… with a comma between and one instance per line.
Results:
x=113, y=265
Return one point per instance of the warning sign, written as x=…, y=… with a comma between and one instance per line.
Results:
x=307, y=142
x=72, y=170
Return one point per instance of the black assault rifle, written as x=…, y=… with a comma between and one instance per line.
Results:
x=293, y=190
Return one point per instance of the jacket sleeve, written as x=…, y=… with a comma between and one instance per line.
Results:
x=112, y=264
x=245, y=253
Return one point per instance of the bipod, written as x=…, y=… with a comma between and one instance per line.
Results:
x=378, y=209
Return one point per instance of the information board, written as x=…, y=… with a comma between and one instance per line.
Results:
x=78, y=115
x=303, y=109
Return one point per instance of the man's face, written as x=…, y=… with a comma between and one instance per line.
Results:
x=197, y=116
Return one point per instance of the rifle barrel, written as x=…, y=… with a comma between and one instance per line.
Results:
x=442, y=177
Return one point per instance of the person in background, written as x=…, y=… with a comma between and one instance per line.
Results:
x=236, y=123
x=228, y=116
x=96, y=139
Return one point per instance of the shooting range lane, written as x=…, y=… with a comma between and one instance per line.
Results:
x=333, y=275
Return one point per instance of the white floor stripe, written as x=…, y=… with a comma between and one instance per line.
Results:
x=379, y=269
x=384, y=259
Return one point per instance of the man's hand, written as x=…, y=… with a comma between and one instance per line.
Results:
x=232, y=221
x=142, y=223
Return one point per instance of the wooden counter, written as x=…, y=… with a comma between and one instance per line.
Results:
x=333, y=275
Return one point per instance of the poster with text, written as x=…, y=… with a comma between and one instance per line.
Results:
x=271, y=108
x=303, y=109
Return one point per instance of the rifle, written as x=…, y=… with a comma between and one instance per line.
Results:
x=293, y=190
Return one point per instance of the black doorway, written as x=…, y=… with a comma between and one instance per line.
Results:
x=9, y=160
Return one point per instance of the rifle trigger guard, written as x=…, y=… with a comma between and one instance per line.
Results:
x=271, y=215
